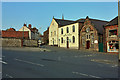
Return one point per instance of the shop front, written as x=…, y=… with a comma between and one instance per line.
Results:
x=112, y=46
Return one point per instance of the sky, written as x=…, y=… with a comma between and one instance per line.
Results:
x=40, y=14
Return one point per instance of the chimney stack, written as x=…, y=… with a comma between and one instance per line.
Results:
x=29, y=25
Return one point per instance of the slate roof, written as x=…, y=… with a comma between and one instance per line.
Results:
x=113, y=22
x=98, y=24
x=62, y=22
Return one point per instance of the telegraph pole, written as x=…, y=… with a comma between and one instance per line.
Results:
x=23, y=36
x=119, y=28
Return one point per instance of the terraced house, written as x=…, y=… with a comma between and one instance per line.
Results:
x=80, y=34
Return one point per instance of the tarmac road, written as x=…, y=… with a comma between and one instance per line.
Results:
x=58, y=63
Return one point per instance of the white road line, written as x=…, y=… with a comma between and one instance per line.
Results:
x=3, y=62
x=115, y=66
x=0, y=72
x=0, y=58
x=85, y=75
x=9, y=76
x=30, y=62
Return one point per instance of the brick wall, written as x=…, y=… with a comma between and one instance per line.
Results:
x=15, y=34
x=46, y=36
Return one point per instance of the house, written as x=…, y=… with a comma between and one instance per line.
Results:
x=33, y=32
x=12, y=33
x=111, y=36
x=46, y=36
x=53, y=29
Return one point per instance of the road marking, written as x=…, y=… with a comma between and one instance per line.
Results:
x=30, y=62
x=0, y=72
x=85, y=75
x=115, y=66
x=84, y=56
x=3, y=62
x=0, y=58
x=9, y=76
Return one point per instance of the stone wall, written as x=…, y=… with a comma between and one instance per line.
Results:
x=30, y=43
x=11, y=42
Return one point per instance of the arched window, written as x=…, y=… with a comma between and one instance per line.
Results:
x=73, y=28
x=67, y=30
x=61, y=40
x=73, y=39
x=61, y=30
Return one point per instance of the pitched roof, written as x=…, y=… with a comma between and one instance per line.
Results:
x=62, y=22
x=113, y=22
x=98, y=24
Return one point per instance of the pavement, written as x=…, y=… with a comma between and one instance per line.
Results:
x=58, y=63
x=26, y=48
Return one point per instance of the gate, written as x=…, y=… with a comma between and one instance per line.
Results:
x=100, y=47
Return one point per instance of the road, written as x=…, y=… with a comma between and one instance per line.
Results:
x=58, y=63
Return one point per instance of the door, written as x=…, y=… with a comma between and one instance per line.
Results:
x=67, y=42
x=101, y=47
x=87, y=44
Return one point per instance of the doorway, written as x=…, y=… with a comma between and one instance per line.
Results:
x=53, y=41
x=87, y=44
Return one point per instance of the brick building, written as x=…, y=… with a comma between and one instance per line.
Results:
x=91, y=34
x=111, y=36
x=46, y=36
x=11, y=33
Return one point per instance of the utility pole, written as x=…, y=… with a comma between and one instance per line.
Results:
x=119, y=28
x=23, y=36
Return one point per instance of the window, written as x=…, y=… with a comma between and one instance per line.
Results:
x=61, y=40
x=51, y=33
x=92, y=38
x=61, y=30
x=73, y=28
x=54, y=32
x=113, y=46
x=73, y=39
x=67, y=30
x=113, y=32
x=88, y=36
